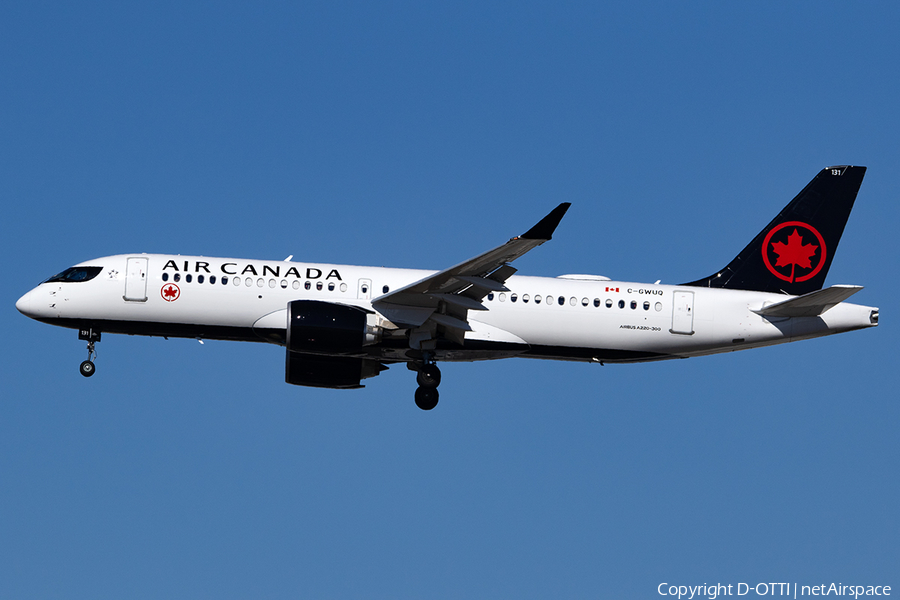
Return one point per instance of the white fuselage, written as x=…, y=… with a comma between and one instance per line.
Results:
x=588, y=318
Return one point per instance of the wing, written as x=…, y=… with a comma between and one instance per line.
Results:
x=445, y=298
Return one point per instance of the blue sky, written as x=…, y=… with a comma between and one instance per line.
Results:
x=418, y=135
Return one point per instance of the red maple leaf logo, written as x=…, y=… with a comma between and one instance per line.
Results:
x=170, y=292
x=795, y=253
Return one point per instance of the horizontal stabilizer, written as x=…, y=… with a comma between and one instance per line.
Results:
x=812, y=304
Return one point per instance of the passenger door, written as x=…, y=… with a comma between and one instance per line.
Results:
x=136, y=280
x=683, y=313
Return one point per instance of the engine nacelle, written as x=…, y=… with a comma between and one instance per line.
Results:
x=337, y=372
x=318, y=327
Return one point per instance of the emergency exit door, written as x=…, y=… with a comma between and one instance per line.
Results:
x=364, y=289
x=136, y=280
x=683, y=313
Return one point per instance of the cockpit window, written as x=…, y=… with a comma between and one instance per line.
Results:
x=76, y=274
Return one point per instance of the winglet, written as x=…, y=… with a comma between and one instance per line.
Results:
x=545, y=228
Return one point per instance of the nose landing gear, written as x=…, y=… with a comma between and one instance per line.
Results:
x=428, y=378
x=87, y=367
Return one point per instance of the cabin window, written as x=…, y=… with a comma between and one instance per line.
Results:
x=296, y=285
x=330, y=286
x=236, y=281
x=537, y=299
x=502, y=297
x=176, y=277
x=658, y=306
x=621, y=304
x=549, y=300
x=513, y=297
x=188, y=278
x=646, y=306
x=596, y=302
x=343, y=287
x=633, y=304
x=561, y=300
x=199, y=278
x=284, y=284
x=308, y=286
x=319, y=285
x=385, y=290
x=248, y=281
x=526, y=298
x=212, y=278
x=608, y=303
x=260, y=282
x=490, y=296
x=272, y=283
x=165, y=277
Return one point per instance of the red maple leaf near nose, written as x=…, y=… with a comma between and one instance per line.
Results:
x=795, y=253
x=170, y=292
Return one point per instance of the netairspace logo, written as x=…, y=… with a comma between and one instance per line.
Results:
x=713, y=591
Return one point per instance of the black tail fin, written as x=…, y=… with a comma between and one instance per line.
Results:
x=793, y=253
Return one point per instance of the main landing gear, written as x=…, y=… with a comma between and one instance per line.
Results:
x=428, y=378
x=87, y=367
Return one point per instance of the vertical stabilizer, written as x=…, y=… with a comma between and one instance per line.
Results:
x=794, y=252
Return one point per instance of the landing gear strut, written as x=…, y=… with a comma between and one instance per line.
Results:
x=87, y=367
x=428, y=378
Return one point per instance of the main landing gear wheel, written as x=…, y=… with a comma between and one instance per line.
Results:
x=87, y=368
x=429, y=376
x=427, y=398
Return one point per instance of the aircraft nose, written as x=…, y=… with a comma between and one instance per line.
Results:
x=23, y=304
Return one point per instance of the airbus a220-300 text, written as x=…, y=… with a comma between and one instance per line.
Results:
x=341, y=324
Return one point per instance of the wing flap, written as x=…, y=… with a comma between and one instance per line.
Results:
x=407, y=316
x=464, y=302
x=449, y=321
x=485, y=283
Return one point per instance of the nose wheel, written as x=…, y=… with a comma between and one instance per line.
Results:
x=87, y=367
x=428, y=378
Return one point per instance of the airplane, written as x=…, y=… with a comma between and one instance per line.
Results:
x=342, y=324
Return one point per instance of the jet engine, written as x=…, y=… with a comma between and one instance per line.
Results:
x=317, y=327
x=321, y=339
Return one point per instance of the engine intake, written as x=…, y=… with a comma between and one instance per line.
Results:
x=317, y=327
